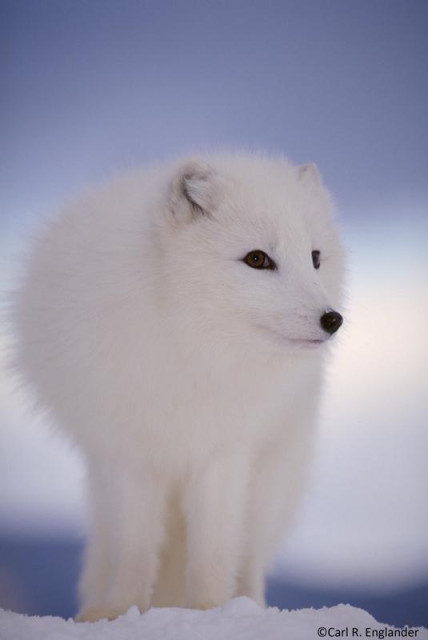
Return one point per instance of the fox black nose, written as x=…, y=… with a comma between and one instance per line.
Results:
x=331, y=321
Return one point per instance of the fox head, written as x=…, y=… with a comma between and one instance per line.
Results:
x=252, y=252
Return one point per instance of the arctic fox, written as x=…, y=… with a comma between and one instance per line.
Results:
x=174, y=323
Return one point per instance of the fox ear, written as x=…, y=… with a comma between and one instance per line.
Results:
x=308, y=173
x=193, y=191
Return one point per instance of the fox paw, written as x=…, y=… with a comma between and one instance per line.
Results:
x=92, y=614
x=205, y=605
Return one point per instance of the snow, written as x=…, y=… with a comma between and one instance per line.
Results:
x=238, y=619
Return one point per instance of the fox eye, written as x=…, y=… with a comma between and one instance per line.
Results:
x=258, y=259
x=316, y=259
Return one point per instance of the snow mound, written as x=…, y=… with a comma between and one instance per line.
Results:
x=238, y=619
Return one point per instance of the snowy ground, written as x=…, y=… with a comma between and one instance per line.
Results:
x=240, y=618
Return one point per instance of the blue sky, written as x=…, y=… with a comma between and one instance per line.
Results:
x=91, y=88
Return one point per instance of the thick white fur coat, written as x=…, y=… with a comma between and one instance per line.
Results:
x=189, y=379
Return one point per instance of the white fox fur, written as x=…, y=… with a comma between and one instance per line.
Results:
x=189, y=379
